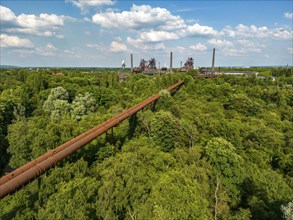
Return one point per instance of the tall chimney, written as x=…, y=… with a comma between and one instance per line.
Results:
x=213, y=63
x=131, y=62
x=171, y=62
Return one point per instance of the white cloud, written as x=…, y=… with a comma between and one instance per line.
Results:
x=189, y=31
x=198, y=30
x=14, y=41
x=229, y=32
x=252, y=31
x=246, y=43
x=198, y=47
x=117, y=46
x=179, y=49
x=86, y=19
x=282, y=34
x=6, y=15
x=142, y=46
x=290, y=50
x=73, y=53
x=158, y=36
x=51, y=47
x=220, y=43
x=159, y=24
x=153, y=36
x=21, y=52
x=191, y=20
x=139, y=17
x=48, y=50
x=236, y=52
x=288, y=15
x=46, y=25
x=85, y=5
x=96, y=46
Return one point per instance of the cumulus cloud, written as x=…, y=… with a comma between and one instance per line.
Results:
x=14, y=41
x=96, y=46
x=85, y=5
x=191, y=20
x=198, y=47
x=6, y=15
x=229, y=32
x=142, y=46
x=157, y=24
x=117, y=46
x=154, y=26
x=48, y=50
x=241, y=51
x=73, y=53
x=252, y=31
x=190, y=31
x=51, y=47
x=288, y=15
x=282, y=34
x=179, y=49
x=246, y=43
x=220, y=43
x=157, y=36
x=199, y=30
x=139, y=17
x=46, y=25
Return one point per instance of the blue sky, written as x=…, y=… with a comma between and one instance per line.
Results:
x=102, y=33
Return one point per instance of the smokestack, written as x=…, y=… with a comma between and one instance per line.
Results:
x=181, y=64
x=171, y=61
x=131, y=62
x=213, y=63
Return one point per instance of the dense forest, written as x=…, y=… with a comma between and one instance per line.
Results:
x=219, y=148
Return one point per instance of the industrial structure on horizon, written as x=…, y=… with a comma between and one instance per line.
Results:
x=149, y=67
x=187, y=66
x=145, y=66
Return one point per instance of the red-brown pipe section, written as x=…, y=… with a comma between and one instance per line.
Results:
x=28, y=172
x=27, y=166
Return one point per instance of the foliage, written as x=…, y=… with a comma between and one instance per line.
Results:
x=166, y=131
x=217, y=148
x=288, y=211
x=242, y=104
x=283, y=71
x=82, y=105
x=227, y=166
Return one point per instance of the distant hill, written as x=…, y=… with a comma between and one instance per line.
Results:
x=8, y=66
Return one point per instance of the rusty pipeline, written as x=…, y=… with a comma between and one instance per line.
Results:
x=50, y=153
x=30, y=171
